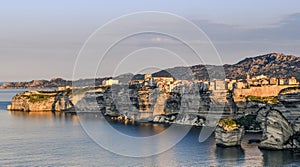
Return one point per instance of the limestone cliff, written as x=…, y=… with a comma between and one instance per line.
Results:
x=281, y=129
x=277, y=131
x=42, y=101
x=189, y=104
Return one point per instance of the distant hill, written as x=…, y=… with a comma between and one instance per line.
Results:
x=55, y=82
x=273, y=65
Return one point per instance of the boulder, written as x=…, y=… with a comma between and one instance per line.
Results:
x=189, y=119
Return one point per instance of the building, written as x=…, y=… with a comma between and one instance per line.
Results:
x=264, y=81
x=148, y=80
x=137, y=80
x=60, y=88
x=293, y=81
x=281, y=81
x=163, y=76
x=147, y=77
x=273, y=81
x=260, y=77
x=110, y=82
x=167, y=80
x=231, y=84
x=242, y=83
x=220, y=85
x=212, y=85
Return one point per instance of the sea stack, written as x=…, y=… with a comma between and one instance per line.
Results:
x=228, y=133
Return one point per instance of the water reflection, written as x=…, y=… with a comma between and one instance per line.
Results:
x=231, y=154
x=276, y=158
x=136, y=129
x=54, y=134
x=62, y=116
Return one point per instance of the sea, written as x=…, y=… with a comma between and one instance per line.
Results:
x=61, y=139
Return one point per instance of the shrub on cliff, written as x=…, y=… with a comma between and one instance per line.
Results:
x=228, y=124
x=34, y=98
x=248, y=121
x=268, y=99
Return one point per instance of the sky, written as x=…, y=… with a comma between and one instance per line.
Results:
x=43, y=39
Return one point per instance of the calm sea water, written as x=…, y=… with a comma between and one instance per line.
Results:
x=48, y=139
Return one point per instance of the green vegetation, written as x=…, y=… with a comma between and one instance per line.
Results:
x=228, y=124
x=34, y=98
x=49, y=91
x=248, y=121
x=227, y=121
x=268, y=99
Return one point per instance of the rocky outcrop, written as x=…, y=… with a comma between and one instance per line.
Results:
x=190, y=119
x=290, y=98
x=164, y=118
x=277, y=131
x=228, y=133
x=42, y=101
x=110, y=101
x=188, y=104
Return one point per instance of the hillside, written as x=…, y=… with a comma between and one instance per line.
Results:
x=273, y=65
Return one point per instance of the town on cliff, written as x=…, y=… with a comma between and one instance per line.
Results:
x=253, y=103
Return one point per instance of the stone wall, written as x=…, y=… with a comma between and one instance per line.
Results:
x=262, y=91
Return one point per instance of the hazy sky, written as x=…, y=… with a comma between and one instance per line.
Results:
x=40, y=39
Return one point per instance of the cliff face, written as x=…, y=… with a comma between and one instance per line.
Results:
x=188, y=104
x=290, y=98
x=228, y=138
x=42, y=101
x=281, y=129
x=277, y=131
x=228, y=133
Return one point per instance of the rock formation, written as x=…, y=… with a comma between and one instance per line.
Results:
x=277, y=131
x=42, y=101
x=228, y=133
x=190, y=119
x=290, y=98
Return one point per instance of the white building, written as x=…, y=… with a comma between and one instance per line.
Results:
x=110, y=82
